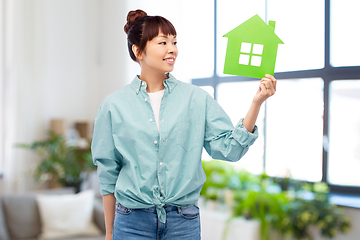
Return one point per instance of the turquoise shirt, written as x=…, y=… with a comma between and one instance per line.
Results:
x=144, y=167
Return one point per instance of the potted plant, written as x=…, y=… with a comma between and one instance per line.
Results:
x=314, y=210
x=66, y=164
x=283, y=205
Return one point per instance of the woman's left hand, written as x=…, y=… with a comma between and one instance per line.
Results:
x=266, y=89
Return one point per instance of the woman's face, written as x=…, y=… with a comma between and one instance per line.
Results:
x=160, y=53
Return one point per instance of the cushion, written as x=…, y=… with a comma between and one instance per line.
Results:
x=22, y=216
x=4, y=235
x=68, y=215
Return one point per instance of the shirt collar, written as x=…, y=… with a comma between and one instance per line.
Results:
x=140, y=85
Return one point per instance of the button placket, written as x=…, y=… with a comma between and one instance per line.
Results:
x=162, y=141
x=161, y=175
x=151, y=119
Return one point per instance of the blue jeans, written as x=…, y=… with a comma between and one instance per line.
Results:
x=138, y=224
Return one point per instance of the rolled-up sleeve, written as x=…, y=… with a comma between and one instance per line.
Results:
x=104, y=154
x=222, y=140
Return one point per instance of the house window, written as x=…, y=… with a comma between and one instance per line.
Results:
x=294, y=139
x=344, y=139
x=343, y=54
x=242, y=93
x=250, y=54
x=302, y=133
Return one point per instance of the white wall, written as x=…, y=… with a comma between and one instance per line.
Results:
x=64, y=57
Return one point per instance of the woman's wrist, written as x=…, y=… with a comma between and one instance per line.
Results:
x=108, y=233
x=256, y=105
x=108, y=236
x=257, y=102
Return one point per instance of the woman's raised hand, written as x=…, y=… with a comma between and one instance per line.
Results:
x=266, y=89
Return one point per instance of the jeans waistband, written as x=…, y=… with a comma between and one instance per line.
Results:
x=167, y=208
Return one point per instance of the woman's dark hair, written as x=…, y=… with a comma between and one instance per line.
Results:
x=141, y=28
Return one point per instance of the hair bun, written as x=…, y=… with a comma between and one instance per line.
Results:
x=132, y=17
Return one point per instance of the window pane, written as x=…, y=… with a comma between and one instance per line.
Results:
x=230, y=14
x=294, y=130
x=344, y=33
x=235, y=98
x=300, y=25
x=344, y=133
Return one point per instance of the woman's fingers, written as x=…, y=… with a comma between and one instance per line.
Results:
x=266, y=82
x=269, y=82
x=273, y=80
x=266, y=89
x=263, y=87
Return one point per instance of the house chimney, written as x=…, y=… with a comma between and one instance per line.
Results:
x=272, y=24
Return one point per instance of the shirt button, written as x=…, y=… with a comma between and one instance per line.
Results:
x=163, y=139
x=161, y=163
x=155, y=142
x=162, y=186
x=142, y=83
x=150, y=119
x=145, y=99
x=162, y=119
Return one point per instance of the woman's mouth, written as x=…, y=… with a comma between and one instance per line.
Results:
x=169, y=60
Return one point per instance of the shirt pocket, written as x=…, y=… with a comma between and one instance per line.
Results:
x=188, y=133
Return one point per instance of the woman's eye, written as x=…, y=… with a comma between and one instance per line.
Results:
x=163, y=43
x=175, y=43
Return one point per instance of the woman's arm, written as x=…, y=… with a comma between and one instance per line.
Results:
x=109, y=211
x=224, y=141
x=266, y=89
x=108, y=166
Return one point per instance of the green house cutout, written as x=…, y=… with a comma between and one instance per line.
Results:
x=251, y=49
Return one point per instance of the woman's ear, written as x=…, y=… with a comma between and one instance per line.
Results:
x=135, y=50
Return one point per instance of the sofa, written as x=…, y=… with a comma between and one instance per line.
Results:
x=20, y=215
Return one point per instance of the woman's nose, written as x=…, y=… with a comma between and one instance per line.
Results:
x=171, y=49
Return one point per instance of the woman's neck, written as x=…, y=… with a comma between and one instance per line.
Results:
x=154, y=80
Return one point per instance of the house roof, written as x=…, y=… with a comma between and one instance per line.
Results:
x=255, y=30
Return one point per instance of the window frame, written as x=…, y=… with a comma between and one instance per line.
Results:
x=328, y=73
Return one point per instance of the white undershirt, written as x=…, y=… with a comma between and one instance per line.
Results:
x=155, y=101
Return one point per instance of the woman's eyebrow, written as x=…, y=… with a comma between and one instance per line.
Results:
x=164, y=36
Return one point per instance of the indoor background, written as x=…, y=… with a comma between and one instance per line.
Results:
x=60, y=58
